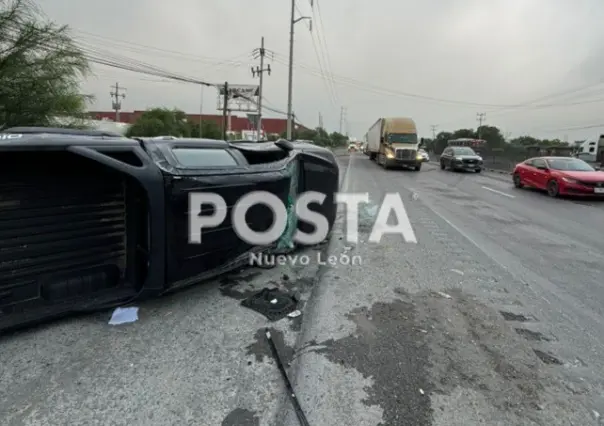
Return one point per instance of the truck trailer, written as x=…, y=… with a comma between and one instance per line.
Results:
x=393, y=142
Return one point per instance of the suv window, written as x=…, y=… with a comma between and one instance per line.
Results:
x=204, y=157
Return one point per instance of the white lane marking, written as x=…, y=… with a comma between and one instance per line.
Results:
x=346, y=184
x=498, y=192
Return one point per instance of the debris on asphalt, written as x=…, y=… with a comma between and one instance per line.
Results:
x=288, y=384
x=457, y=271
x=421, y=391
x=124, y=316
x=274, y=304
x=445, y=295
x=294, y=314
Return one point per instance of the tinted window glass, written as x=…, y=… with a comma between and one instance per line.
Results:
x=464, y=151
x=570, y=164
x=539, y=163
x=200, y=157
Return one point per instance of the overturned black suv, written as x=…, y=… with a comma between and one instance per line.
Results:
x=90, y=220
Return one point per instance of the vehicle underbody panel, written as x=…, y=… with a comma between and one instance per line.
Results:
x=73, y=235
x=87, y=226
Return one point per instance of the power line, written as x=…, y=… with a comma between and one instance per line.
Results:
x=324, y=49
x=433, y=127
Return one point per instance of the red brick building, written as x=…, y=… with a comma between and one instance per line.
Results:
x=237, y=124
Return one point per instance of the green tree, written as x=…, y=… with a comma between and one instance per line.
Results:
x=209, y=130
x=492, y=135
x=161, y=122
x=440, y=143
x=338, y=139
x=463, y=133
x=40, y=69
x=525, y=141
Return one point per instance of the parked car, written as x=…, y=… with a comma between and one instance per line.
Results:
x=559, y=176
x=93, y=220
x=460, y=158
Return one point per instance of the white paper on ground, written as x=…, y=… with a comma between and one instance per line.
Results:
x=124, y=316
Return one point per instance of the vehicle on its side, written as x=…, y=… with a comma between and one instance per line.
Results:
x=424, y=154
x=460, y=158
x=393, y=142
x=92, y=221
x=559, y=176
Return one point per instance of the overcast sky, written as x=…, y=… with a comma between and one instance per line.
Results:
x=440, y=62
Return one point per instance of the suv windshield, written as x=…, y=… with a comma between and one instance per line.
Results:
x=463, y=151
x=570, y=164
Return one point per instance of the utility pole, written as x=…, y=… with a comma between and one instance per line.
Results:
x=201, y=113
x=225, y=110
x=320, y=120
x=481, y=118
x=115, y=97
x=433, y=127
x=342, y=119
x=293, y=21
x=259, y=71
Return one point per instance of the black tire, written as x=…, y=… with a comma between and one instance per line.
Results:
x=442, y=165
x=517, y=181
x=418, y=168
x=478, y=170
x=552, y=188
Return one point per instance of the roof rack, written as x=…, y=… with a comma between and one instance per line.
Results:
x=61, y=131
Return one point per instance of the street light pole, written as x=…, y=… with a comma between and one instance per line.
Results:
x=293, y=21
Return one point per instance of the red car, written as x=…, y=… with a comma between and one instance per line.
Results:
x=560, y=176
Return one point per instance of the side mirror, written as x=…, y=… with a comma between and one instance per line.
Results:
x=598, y=168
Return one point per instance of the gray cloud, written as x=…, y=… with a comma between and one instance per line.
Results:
x=486, y=52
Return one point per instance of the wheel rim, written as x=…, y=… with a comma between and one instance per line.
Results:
x=516, y=180
x=552, y=188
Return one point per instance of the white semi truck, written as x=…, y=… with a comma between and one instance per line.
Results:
x=393, y=142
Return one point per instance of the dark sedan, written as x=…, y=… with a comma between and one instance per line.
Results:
x=93, y=220
x=460, y=158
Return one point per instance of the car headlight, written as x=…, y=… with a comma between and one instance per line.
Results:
x=419, y=157
x=569, y=180
x=479, y=158
x=389, y=155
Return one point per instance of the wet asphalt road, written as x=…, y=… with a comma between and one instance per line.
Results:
x=514, y=337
